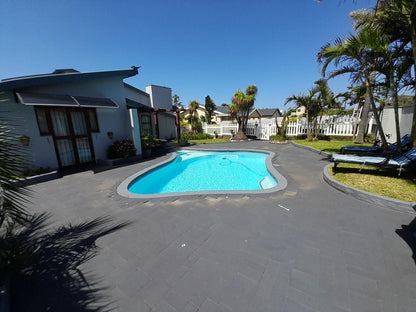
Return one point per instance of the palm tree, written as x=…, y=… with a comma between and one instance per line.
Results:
x=397, y=20
x=356, y=95
x=176, y=101
x=358, y=56
x=312, y=107
x=192, y=108
x=244, y=102
x=326, y=99
x=12, y=163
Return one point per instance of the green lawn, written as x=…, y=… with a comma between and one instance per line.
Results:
x=209, y=141
x=381, y=181
x=205, y=141
x=328, y=146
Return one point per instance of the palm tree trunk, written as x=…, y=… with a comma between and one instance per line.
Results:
x=364, y=120
x=376, y=115
x=355, y=124
x=396, y=111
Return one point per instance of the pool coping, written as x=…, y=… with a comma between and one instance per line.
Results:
x=281, y=180
x=387, y=202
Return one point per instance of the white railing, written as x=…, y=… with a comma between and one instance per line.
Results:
x=329, y=125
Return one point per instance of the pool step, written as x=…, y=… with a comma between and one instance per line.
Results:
x=266, y=183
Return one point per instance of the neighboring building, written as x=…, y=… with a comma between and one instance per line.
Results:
x=264, y=114
x=69, y=119
x=389, y=125
x=300, y=111
x=220, y=114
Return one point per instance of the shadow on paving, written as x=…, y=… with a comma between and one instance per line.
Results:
x=408, y=234
x=51, y=280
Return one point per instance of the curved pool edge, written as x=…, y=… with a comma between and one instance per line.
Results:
x=122, y=189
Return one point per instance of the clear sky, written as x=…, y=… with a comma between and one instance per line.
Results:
x=195, y=47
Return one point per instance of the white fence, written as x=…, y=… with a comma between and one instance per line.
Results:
x=329, y=125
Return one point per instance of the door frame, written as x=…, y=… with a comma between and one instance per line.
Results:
x=71, y=136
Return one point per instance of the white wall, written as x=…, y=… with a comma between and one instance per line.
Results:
x=135, y=95
x=115, y=120
x=41, y=150
x=388, y=123
x=160, y=97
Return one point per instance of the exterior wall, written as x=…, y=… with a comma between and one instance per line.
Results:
x=167, y=126
x=112, y=120
x=135, y=95
x=388, y=123
x=160, y=97
x=41, y=149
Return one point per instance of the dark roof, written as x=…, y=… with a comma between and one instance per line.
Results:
x=268, y=111
x=61, y=76
x=222, y=109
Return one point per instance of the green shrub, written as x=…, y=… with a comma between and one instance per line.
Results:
x=278, y=137
x=148, y=143
x=195, y=136
x=370, y=138
x=121, y=149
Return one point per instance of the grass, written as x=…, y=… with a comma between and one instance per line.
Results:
x=381, y=181
x=204, y=141
x=328, y=146
x=209, y=141
x=376, y=180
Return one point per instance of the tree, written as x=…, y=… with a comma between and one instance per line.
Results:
x=176, y=100
x=357, y=55
x=311, y=105
x=210, y=108
x=326, y=100
x=397, y=20
x=244, y=102
x=193, y=120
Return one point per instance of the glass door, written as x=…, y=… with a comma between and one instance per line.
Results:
x=72, y=137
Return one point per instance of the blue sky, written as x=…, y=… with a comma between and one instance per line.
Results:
x=195, y=47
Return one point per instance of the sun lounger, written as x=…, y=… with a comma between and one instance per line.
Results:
x=399, y=161
x=405, y=140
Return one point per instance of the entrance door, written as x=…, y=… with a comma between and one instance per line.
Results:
x=72, y=137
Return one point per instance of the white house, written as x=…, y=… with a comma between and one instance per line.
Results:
x=69, y=119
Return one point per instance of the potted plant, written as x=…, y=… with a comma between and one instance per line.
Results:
x=147, y=144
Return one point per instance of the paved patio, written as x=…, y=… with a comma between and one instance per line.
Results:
x=306, y=248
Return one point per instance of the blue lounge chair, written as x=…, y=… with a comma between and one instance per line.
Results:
x=398, y=162
x=405, y=140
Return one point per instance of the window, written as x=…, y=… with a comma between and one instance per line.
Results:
x=42, y=118
x=92, y=116
x=145, y=125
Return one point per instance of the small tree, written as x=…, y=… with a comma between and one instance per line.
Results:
x=244, y=102
x=193, y=120
x=176, y=100
x=210, y=108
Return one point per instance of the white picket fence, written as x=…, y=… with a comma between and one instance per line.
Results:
x=329, y=125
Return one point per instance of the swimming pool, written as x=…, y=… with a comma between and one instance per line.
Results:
x=206, y=172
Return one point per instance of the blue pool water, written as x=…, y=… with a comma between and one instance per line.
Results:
x=207, y=171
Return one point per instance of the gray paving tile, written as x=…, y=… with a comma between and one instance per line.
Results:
x=329, y=252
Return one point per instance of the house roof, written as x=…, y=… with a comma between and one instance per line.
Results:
x=222, y=110
x=264, y=112
x=62, y=76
